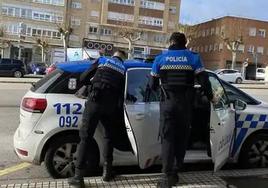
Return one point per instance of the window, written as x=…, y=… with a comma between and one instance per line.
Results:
x=251, y=49
x=241, y=48
x=262, y=33
x=93, y=29
x=4, y=10
x=153, y=5
x=219, y=92
x=125, y=2
x=260, y=50
x=252, y=32
x=159, y=38
x=210, y=47
x=221, y=46
x=76, y=5
x=151, y=21
x=94, y=13
x=75, y=21
x=106, y=32
x=207, y=32
x=206, y=48
x=212, y=31
x=173, y=9
x=216, y=47
x=233, y=94
x=137, y=84
x=120, y=16
x=217, y=30
x=203, y=33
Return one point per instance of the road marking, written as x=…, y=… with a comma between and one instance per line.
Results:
x=14, y=168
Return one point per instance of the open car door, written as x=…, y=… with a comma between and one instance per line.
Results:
x=142, y=117
x=222, y=125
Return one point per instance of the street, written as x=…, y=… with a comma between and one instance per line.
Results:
x=10, y=96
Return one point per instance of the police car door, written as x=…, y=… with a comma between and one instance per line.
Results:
x=222, y=125
x=142, y=117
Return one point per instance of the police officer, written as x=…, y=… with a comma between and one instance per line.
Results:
x=175, y=71
x=105, y=93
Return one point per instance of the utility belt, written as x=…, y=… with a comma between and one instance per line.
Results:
x=100, y=90
x=169, y=91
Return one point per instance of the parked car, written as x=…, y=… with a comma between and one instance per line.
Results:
x=38, y=68
x=230, y=75
x=51, y=68
x=12, y=67
x=50, y=117
x=260, y=74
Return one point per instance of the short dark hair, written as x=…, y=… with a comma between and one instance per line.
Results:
x=178, y=38
x=122, y=52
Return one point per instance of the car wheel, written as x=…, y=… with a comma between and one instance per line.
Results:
x=17, y=74
x=61, y=156
x=238, y=80
x=254, y=153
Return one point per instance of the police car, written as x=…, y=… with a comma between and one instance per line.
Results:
x=234, y=129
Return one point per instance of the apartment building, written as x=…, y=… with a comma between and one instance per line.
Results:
x=208, y=40
x=99, y=21
x=25, y=21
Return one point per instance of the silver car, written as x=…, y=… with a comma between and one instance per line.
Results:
x=230, y=75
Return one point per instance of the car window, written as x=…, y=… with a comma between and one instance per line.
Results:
x=218, y=92
x=6, y=61
x=17, y=62
x=234, y=93
x=137, y=87
x=59, y=82
x=261, y=70
x=67, y=83
x=43, y=84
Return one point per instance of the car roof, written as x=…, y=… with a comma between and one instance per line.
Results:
x=81, y=66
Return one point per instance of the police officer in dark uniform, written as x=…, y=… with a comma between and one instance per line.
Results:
x=107, y=78
x=175, y=71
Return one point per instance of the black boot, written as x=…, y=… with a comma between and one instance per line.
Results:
x=168, y=181
x=107, y=171
x=77, y=180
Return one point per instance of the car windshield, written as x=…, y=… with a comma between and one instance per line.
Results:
x=218, y=70
x=234, y=93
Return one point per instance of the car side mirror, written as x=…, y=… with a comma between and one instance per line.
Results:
x=240, y=105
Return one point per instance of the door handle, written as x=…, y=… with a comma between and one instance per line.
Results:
x=140, y=116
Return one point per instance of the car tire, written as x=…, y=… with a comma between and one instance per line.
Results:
x=238, y=81
x=61, y=156
x=18, y=74
x=254, y=152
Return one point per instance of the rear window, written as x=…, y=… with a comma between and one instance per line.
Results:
x=17, y=62
x=6, y=61
x=58, y=82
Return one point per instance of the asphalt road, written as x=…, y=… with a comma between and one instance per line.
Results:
x=10, y=97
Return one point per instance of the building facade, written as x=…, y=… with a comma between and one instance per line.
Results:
x=209, y=39
x=98, y=21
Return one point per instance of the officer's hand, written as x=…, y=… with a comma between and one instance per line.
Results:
x=215, y=99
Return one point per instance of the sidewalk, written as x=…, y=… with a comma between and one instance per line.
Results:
x=195, y=179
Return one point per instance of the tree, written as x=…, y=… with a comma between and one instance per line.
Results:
x=65, y=29
x=189, y=31
x=233, y=38
x=4, y=43
x=130, y=35
x=43, y=44
x=232, y=44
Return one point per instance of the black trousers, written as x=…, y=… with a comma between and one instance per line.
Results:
x=103, y=111
x=175, y=119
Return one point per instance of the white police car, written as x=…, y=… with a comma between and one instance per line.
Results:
x=50, y=117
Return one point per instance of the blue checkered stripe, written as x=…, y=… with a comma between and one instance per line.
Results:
x=251, y=121
x=244, y=122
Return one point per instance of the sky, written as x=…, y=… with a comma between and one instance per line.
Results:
x=197, y=11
